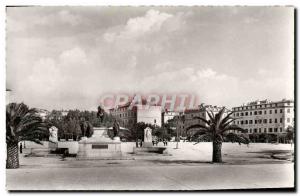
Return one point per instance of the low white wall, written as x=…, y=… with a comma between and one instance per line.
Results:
x=72, y=146
x=30, y=144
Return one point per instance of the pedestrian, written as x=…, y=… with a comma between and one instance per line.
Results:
x=153, y=142
x=21, y=148
x=136, y=143
x=141, y=143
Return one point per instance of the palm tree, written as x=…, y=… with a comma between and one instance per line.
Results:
x=22, y=123
x=216, y=129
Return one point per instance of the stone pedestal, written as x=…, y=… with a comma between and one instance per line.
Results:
x=147, y=144
x=99, y=146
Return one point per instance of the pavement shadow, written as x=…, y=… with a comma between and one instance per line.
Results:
x=179, y=161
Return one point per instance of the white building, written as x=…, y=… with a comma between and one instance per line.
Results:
x=168, y=115
x=150, y=114
x=265, y=116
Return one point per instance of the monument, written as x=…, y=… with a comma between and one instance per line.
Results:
x=147, y=137
x=99, y=146
x=53, y=139
x=147, y=147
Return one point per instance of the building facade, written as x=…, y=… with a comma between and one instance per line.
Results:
x=129, y=115
x=265, y=116
x=126, y=115
x=201, y=111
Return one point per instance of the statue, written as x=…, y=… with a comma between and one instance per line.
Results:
x=53, y=134
x=100, y=113
x=148, y=134
x=116, y=128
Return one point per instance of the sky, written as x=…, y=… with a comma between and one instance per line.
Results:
x=68, y=57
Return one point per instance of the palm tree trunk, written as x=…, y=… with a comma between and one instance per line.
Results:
x=217, y=152
x=12, y=159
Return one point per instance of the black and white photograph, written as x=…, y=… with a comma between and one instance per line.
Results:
x=150, y=98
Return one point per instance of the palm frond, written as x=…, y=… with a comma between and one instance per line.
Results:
x=211, y=115
x=226, y=118
x=234, y=128
x=203, y=119
x=233, y=137
x=218, y=116
x=197, y=126
x=203, y=137
x=223, y=126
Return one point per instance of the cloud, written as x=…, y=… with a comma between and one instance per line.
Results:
x=68, y=58
x=69, y=18
x=151, y=22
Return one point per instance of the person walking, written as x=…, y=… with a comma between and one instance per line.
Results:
x=21, y=148
x=141, y=143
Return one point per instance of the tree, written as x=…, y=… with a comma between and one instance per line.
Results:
x=216, y=129
x=290, y=134
x=86, y=129
x=22, y=123
x=136, y=131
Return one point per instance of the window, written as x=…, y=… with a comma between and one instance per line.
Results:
x=259, y=121
x=265, y=130
x=280, y=110
x=255, y=130
x=265, y=112
x=242, y=122
x=270, y=120
x=255, y=121
x=270, y=111
x=275, y=129
x=237, y=114
x=270, y=130
x=265, y=121
x=246, y=121
x=288, y=110
x=246, y=114
x=250, y=121
x=255, y=112
x=275, y=120
x=242, y=114
x=280, y=129
x=275, y=111
x=250, y=131
x=280, y=120
x=250, y=113
x=288, y=119
x=260, y=112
